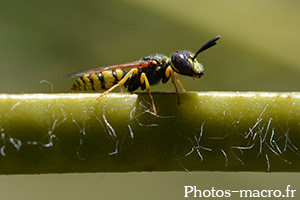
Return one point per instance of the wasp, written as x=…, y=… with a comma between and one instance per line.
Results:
x=148, y=71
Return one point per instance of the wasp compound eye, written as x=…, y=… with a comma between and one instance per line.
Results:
x=180, y=63
x=183, y=63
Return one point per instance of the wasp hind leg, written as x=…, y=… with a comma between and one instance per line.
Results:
x=121, y=82
x=170, y=73
x=144, y=79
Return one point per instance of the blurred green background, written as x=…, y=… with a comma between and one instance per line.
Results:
x=42, y=40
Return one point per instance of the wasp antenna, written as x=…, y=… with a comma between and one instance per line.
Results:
x=209, y=44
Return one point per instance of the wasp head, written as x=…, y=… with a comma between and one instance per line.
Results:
x=185, y=63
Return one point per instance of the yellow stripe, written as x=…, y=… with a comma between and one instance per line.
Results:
x=80, y=82
x=119, y=74
x=86, y=80
x=76, y=84
x=82, y=88
x=89, y=87
x=108, y=77
x=108, y=85
x=98, y=87
x=95, y=79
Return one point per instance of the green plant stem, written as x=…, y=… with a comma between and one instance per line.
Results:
x=208, y=131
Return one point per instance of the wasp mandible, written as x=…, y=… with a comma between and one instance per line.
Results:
x=144, y=73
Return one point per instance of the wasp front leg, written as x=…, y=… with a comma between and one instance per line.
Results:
x=170, y=73
x=144, y=79
x=121, y=82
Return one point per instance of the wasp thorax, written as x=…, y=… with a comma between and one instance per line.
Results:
x=183, y=63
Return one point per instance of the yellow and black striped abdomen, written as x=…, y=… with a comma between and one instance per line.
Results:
x=99, y=81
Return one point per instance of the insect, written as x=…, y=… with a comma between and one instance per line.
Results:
x=144, y=73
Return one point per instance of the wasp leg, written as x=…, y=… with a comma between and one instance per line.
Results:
x=175, y=76
x=121, y=82
x=144, y=79
x=169, y=72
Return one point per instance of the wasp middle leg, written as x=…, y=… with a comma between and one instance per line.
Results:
x=170, y=73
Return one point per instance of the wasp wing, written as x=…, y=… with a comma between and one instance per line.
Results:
x=136, y=64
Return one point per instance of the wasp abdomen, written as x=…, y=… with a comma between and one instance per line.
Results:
x=99, y=81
